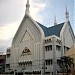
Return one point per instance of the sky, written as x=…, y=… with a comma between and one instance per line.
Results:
x=43, y=11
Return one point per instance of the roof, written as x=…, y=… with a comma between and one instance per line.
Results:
x=53, y=30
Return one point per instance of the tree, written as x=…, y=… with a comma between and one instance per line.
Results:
x=66, y=63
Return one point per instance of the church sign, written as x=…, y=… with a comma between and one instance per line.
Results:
x=26, y=51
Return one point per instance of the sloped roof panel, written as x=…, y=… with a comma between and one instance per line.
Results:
x=53, y=30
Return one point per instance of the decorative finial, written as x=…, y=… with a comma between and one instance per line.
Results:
x=55, y=22
x=67, y=13
x=27, y=7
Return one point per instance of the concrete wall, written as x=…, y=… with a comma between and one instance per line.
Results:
x=68, y=37
x=28, y=36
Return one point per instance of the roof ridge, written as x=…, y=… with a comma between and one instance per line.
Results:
x=57, y=25
x=41, y=24
x=50, y=26
x=53, y=30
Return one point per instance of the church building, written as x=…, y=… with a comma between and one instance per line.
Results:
x=36, y=49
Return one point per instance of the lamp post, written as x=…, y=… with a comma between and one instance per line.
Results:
x=54, y=57
x=43, y=60
x=23, y=70
x=44, y=69
x=9, y=71
x=15, y=71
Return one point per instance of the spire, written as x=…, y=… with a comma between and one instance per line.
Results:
x=55, y=22
x=67, y=13
x=27, y=7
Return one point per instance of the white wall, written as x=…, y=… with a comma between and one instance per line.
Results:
x=68, y=36
x=28, y=36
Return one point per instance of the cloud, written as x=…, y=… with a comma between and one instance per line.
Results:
x=4, y=44
x=40, y=5
x=11, y=14
x=11, y=11
x=8, y=31
x=35, y=9
x=14, y=10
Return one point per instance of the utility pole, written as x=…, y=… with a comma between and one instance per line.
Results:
x=44, y=63
x=54, y=57
x=43, y=60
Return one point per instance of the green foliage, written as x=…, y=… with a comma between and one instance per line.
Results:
x=66, y=63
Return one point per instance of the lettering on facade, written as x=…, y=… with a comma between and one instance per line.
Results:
x=26, y=51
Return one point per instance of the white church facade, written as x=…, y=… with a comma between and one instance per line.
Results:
x=36, y=48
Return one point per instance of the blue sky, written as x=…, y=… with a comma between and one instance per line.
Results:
x=13, y=11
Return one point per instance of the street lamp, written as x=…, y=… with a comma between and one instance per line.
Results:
x=15, y=71
x=44, y=69
x=23, y=70
x=9, y=71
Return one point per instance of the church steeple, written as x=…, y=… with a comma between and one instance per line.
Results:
x=55, y=22
x=67, y=13
x=27, y=7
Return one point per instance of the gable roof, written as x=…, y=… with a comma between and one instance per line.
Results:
x=53, y=30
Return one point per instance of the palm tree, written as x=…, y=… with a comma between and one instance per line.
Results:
x=66, y=63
